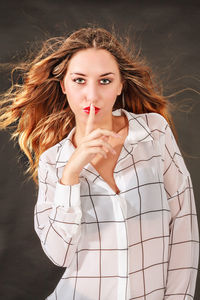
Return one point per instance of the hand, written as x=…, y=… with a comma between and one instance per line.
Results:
x=93, y=143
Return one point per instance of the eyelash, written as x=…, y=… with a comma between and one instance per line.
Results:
x=75, y=80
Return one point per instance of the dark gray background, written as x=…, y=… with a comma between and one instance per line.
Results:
x=167, y=32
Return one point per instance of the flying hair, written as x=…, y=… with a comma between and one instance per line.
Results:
x=36, y=108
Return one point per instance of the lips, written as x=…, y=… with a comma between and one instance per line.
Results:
x=87, y=109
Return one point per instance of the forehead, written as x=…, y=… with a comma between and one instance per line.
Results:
x=101, y=59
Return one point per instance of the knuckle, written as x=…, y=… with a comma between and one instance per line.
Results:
x=99, y=130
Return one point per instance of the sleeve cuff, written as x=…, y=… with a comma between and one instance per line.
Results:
x=67, y=195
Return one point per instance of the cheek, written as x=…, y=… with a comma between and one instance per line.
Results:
x=73, y=101
x=111, y=94
x=73, y=95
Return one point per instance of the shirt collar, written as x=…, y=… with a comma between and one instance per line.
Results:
x=138, y=132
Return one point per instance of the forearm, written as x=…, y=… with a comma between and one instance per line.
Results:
x=58, y=215
x=184, y=244
x=59, y=237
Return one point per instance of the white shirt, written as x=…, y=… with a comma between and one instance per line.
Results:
x=142, y=243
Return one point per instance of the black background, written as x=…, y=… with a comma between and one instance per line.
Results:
x=168, y=34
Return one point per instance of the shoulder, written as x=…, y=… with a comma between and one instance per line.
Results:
x=49, y=156
x=154, y=121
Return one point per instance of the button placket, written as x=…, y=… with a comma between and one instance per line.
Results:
x=122, y=241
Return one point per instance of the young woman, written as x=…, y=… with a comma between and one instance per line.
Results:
x=115, y=201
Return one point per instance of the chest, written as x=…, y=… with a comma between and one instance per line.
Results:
x=105, y=167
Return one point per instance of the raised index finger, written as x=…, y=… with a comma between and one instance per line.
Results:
x=90, y=120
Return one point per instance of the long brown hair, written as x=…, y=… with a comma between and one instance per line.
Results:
x=40, y=111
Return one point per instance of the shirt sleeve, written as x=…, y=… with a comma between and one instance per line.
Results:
x=57, y=216
x=183, y=255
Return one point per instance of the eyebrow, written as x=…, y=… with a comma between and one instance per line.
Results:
x=105, y=74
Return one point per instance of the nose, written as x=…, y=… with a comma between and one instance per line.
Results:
x=92, y=93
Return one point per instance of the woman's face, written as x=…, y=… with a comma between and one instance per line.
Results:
x=92, y=77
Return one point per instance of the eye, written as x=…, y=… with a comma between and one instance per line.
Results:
x=105, y=81
x=79, y=80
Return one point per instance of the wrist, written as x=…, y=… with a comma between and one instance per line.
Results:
x=69, y=180
x=69, y=177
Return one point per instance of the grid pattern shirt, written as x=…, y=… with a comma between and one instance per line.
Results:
x=141, y=243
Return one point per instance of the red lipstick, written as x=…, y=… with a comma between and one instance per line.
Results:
x=87, y=109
